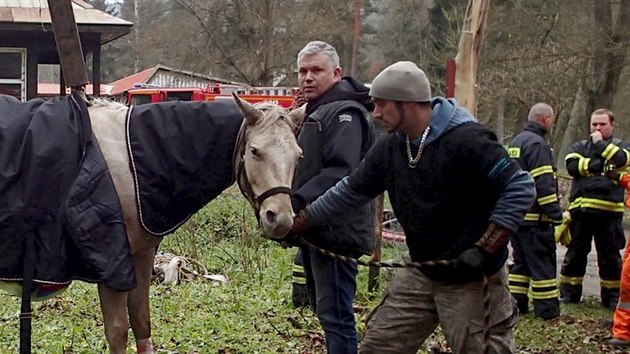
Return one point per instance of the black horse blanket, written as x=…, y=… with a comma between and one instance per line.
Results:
x=56, y=194
x=181, y=157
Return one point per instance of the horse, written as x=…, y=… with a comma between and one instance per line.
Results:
x=265, y=156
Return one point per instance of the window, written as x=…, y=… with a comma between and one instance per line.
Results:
x=179, y=96
x=13, y=72
x=137, y=100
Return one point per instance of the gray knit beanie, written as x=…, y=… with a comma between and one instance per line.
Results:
x=402, y=81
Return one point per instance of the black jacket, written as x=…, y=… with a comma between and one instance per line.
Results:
x=587, y=163
x=336, y=134
x=56, y=191
x=534, y=155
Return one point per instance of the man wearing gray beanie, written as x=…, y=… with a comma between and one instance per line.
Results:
x=458, y=197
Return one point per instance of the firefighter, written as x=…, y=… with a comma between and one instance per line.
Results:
x=621, y=319
x=533, y=245
x=596, y=206
x=299, y=296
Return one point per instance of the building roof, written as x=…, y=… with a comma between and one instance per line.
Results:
x=47, y=89
x=143, y=77
x=126, y=83
x=34, y=15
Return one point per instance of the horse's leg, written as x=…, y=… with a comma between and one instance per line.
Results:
x=113, y=306
x=138, y=301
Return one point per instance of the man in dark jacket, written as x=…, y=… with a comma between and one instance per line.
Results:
x=534, y=247
x=596, y=206
x=458, y=197
x=335, y=135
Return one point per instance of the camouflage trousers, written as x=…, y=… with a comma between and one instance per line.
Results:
x=414, y=305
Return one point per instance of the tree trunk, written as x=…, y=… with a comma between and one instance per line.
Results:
x=608, y=60
x=357, y=38
x=575, y=129
x=467, y=59
x=136, y=35
x=609, y=51
x=267, y=46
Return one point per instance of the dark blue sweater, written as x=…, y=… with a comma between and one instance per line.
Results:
x=463, y=181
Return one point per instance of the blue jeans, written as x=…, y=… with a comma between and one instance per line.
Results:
x=331, y=285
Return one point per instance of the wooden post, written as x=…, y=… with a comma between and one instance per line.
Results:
x=68, y=42
x=376, y=253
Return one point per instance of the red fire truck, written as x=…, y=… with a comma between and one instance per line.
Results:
x=282, y=96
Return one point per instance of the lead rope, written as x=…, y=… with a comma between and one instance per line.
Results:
x=391, y=264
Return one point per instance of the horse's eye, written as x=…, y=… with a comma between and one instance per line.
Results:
x=254, y=151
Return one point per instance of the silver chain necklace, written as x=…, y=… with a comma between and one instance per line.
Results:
x=413, y=161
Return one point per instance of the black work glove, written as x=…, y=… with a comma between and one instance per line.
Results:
x=300, y=222
x=297, y=203
x=596, y=165
x=614, y=175
x=471, y=264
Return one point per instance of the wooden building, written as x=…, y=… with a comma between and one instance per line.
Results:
x=27, y=40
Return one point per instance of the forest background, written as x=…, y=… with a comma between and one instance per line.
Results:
x=568, y=53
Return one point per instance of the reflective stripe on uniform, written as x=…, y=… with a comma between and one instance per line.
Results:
x=583, y=166
x=518, y=278
x=547, y=199
x=573, y=155
x=536, y=217
x=571, y=280
x=298, y=274
x=598, y=204
x=518, y=290
x=610, y=284
x=518, y=284
x=551, y=294
x=610, y=151
x=547, y=283
x=541, y=171
x=545, y=289
x=623, y=305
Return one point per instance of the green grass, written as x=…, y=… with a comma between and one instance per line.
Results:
x=252, y=312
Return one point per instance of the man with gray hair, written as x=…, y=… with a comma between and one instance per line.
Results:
x=335, y=135
x=458, y=197
x=534, y=247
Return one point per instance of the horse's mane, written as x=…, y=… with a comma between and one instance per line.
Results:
x=272, y=113
x=98, y=102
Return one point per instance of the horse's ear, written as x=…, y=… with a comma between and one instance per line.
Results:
x=297, y=115
x=250, y=113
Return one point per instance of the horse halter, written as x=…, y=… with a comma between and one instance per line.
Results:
x=241, y=175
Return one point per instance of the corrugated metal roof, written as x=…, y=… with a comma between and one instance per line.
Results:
x=144, y=76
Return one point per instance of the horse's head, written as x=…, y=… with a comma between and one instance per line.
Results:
x=266, y=161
